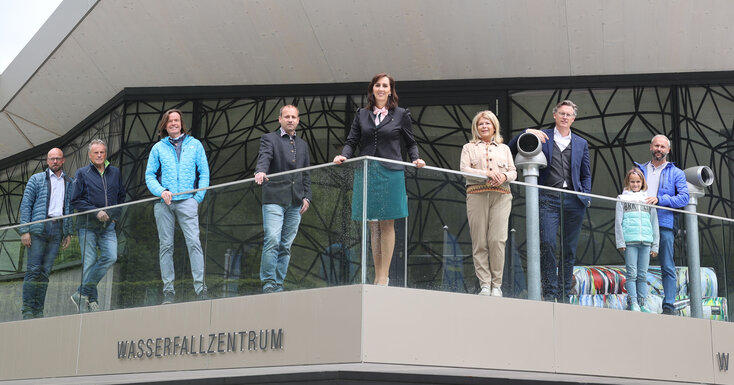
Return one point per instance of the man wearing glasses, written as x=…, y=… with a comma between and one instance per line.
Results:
x=285, y=198
x=568, y=168
x=47, y=195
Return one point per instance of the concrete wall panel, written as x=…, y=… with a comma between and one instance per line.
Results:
x=446, y=329
x=605, y=342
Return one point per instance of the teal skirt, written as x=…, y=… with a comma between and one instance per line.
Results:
x=386, y=196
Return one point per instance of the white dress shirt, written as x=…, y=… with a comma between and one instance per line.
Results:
x=56, y=199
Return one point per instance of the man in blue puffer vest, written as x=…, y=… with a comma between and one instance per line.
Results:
x=666, y=188
x=177, y=163
x=96, y=186
x=47, y=195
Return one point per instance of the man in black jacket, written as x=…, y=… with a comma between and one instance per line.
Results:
x=96, y=186
x=285, y=198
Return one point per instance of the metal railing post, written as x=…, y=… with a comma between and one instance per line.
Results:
x=364, y=221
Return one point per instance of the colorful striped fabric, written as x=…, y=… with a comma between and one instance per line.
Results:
x=713, y=308
x=603, y=287
x=611, y=280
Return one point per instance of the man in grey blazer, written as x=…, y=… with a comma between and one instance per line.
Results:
x=285, y=198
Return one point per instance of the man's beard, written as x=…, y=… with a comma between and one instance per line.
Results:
x=659, y=157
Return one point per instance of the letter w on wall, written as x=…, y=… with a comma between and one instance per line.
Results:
x=723, y=359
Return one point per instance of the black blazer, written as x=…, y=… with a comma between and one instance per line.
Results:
x=384, y=140
x=276, y=155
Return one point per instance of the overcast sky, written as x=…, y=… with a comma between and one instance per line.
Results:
x=19, y=21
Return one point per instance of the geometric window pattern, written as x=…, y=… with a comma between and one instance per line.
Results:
x=618, y=125
x=706, y=121
x=617, y=122
x=13, y=180
x=230, y=131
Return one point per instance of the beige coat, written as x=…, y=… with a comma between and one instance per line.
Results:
x=478, y=157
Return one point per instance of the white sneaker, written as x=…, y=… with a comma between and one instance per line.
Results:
x=485, y=291
x=496, y=292
x=81, y=302
x=93, y=306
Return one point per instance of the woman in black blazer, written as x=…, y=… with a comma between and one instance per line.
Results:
x=378, y=130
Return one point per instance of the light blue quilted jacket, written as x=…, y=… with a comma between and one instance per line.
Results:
x=635, y=223
x=166, y=171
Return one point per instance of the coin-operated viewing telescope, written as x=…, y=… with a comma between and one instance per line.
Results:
x=697, y=179
x=529, y=153
x=530, y=159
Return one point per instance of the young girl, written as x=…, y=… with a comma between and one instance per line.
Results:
x=636, y=232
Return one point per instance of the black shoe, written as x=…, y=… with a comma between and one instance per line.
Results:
x=168, y=297
x=669, y=311
x=203, y=295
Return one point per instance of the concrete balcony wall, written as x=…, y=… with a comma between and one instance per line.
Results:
x=372, y=329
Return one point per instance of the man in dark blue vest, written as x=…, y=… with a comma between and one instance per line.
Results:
x=569, y=168
x=285, y=198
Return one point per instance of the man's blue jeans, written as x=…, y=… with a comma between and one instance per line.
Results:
x=637, y=260
x=187, y=213
x=567, y=216
x=41, y=256
x=667, y=266
x=96, y=266
x=280, y=224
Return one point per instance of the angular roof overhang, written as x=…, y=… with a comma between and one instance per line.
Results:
x=89, y=51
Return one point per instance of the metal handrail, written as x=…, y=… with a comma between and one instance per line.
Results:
x=352, y=160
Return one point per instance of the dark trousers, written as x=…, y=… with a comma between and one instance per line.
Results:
x=562, y=213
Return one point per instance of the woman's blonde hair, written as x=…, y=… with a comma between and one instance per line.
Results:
x=489, y=115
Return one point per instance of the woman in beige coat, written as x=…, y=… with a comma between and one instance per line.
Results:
x=488, y=199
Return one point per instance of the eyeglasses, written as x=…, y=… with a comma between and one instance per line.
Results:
x=565, y=114
x=55, y=159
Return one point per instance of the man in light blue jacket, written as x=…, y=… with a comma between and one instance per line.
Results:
x=666, y=188
x=177, y=164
